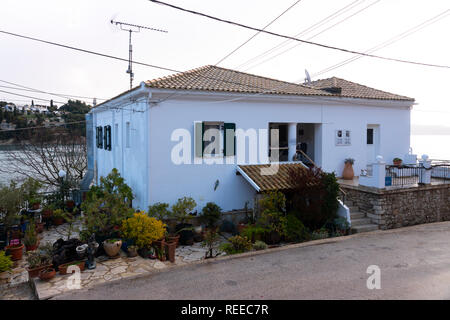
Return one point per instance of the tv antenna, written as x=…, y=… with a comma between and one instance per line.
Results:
x=132, y=28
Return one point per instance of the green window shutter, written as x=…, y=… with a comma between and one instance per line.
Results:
x=100, y=137
x=105, y=137
x=198, y=138
x=229, y=144
x=96, y=136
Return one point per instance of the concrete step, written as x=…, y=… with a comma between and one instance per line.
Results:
x=357, y=215
x=353, y=208
x=364, y=228
x=360, y=222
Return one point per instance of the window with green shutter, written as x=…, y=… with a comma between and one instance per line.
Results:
x=214, y=138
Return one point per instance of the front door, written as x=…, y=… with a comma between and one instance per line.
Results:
x=372, y=142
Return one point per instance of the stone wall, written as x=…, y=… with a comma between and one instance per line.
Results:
x=396, y=208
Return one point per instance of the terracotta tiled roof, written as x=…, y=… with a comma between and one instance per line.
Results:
x=212, y=78
x=355, y=90
x=279, y=180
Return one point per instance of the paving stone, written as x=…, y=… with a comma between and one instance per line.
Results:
x=118, y=270
x=159, y=265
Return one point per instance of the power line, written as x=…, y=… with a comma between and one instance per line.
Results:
x=86, y=51
x=236, y=49
x=315, y=35
x=43, y=127
x=387, y=42
x=258, y=32
x=296, y=39
x=305, y=31
x=23, y=88
x=34, y=98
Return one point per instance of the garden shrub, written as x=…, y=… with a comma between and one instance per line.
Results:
x=211, y=214
x=253, y=233
x=5, y=262
x=260, y=245
x=159, y=211
x=296, y=230
x=107, y=205
x=273, y=201
x=236, y=244
x=313, y=200
x=321, y=233
x=182, y=209
x=142, y=229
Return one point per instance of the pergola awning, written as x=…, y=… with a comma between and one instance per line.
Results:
x=268, y=177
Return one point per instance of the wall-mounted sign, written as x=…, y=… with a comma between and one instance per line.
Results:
x=343, y=138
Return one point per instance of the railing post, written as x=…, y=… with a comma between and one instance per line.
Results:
x=379, y=172
x=425, y=170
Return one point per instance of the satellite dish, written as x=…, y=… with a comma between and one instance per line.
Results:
x=308, y=77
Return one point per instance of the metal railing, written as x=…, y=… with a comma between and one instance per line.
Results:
x=403, y=175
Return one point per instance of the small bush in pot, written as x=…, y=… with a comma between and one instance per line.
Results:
x=132, y=251
x=211, y=242
x=30, y=239
x=142, y=229
x=38, y=260
x=58, y=217
x=181, y=211
x=47, y=274
x=159, y=211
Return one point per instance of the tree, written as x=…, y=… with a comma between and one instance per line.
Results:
x=46, y=154
x=75, y=111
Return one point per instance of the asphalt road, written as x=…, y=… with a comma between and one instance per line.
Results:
x=414, y=263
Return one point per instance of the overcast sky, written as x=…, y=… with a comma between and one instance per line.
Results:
x=194, y=41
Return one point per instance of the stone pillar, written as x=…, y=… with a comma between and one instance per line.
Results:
x=379, y=172
x=425, y=170
x=292, y=140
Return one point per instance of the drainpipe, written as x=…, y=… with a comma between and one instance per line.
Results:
x=87, y=179
x=292, y=140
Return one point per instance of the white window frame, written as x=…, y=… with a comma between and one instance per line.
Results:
x=221, y=146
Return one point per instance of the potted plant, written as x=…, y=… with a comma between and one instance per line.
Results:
x=132, y=251
x=63, y=267
x=348, y=172
x=47, y=211
x=161, y=252
x=112, y=246
x=37, y=261
x=47, y=274
x=30, y=239
x=58, y=217
x=15, y=248
x=35, y=203
x=397, y=162
x=143, y=230
x=181, y=210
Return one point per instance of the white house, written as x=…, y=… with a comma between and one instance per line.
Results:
x=153, y=133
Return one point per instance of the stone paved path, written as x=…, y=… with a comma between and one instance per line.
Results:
x=107, y=269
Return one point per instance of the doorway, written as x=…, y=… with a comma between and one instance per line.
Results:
x=372, y=142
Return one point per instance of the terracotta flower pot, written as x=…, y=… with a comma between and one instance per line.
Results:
x=348, y=173
x=47, y=213
x=241, y=227
x=170, y=250
x=16, y=251
x=33, y=273
x=32, y=247
x=112, y=249
x=47, y=274
x=175, y=239
x=398, y=163
x=70, y=204
x=63, y=268
x=58, y=221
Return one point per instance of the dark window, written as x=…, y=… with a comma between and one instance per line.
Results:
x=369, y=136
x=282, y=142
x=99, y=137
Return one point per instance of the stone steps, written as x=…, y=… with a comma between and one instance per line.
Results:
x=356, y=215
x=364, y=228
x=360, y=221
